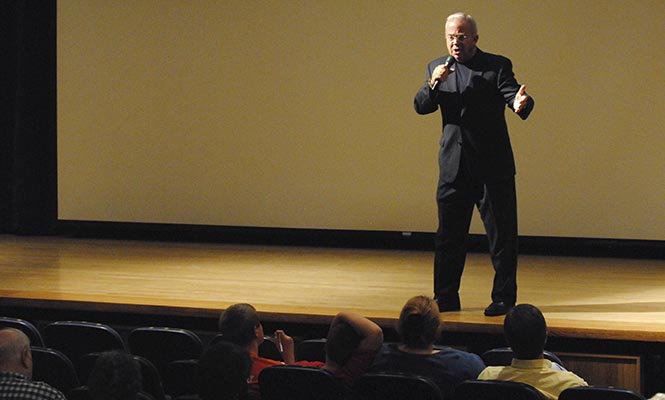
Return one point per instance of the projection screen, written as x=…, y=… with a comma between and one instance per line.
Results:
x=299, y=114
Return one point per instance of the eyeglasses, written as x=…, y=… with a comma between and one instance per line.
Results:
x=461, y=37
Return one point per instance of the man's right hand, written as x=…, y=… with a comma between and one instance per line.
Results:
x=440, y=74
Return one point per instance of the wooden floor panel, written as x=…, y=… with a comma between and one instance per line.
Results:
x=580, y=297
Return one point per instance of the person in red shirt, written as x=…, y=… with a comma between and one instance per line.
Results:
x=240, y=324
x=352, y=343
x=351, y=346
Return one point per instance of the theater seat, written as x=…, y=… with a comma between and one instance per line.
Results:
x=599, y=393
x=55, y=368
x=24, y=326
x=181, y=378
x=151, y=380
x=501, y=356
x=311, y=350
x=79, y=393
x=496, y=390
x=290, y=382
x=394, y=386
x=161, y=345
x=78, y=338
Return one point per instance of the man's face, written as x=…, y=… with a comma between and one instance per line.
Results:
x=460, y=40
x=258, y=332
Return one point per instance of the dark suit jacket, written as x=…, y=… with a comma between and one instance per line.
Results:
x=473, y=116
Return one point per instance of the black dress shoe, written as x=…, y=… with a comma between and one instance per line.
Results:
x=498, y=308
x=446, y=306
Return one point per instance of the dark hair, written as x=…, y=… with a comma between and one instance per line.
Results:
x=223, y=372
x=419, y=322
x=526, y=331
x=237, y=324
x=341, y=341
x=115, y=376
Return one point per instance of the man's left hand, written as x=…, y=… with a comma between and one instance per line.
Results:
x=520, y=99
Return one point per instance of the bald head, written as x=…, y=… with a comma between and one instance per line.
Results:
x=15, y=355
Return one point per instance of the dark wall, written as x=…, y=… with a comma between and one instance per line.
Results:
x=28, y=154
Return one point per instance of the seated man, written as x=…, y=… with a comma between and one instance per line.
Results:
x=526, y=333
x=240, y=324
x=419, y=327
x=351, y=346
x=16, y=370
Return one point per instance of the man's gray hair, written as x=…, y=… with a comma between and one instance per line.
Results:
x=12, y=344
x=464, y=17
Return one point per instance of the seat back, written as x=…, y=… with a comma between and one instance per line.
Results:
x=86, y=363
x=268, y=349
x=181, y=378
x=79, y=393
x=311, y=350
x=161, y=345
x=394, y=386
x=55, y=368
x=151, y=381
x=144, y=396
x=289, y=382
x=24, y=326
x=187, y=397
x=599, y=393
x=78, y=338
x=83, y=393
x=496, y=390
x=502, y=356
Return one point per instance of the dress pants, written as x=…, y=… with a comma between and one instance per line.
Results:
x=497, y=204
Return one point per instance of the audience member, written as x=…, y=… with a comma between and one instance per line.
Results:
x=240, y=324
x=115, y=376
x=526, y=333
x=224, y=370
x=351, y=346
x=16, y=370
x=419, y=327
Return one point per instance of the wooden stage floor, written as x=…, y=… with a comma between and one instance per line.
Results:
x=595, y=298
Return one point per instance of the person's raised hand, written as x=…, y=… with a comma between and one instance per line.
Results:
x=521, y=99
x=285, y=346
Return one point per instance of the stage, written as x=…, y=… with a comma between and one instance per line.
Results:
x=599, y=298
x=599, y=306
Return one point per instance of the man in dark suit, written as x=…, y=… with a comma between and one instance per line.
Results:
x=477, y=168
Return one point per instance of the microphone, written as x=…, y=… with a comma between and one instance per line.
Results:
x=448, y=63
